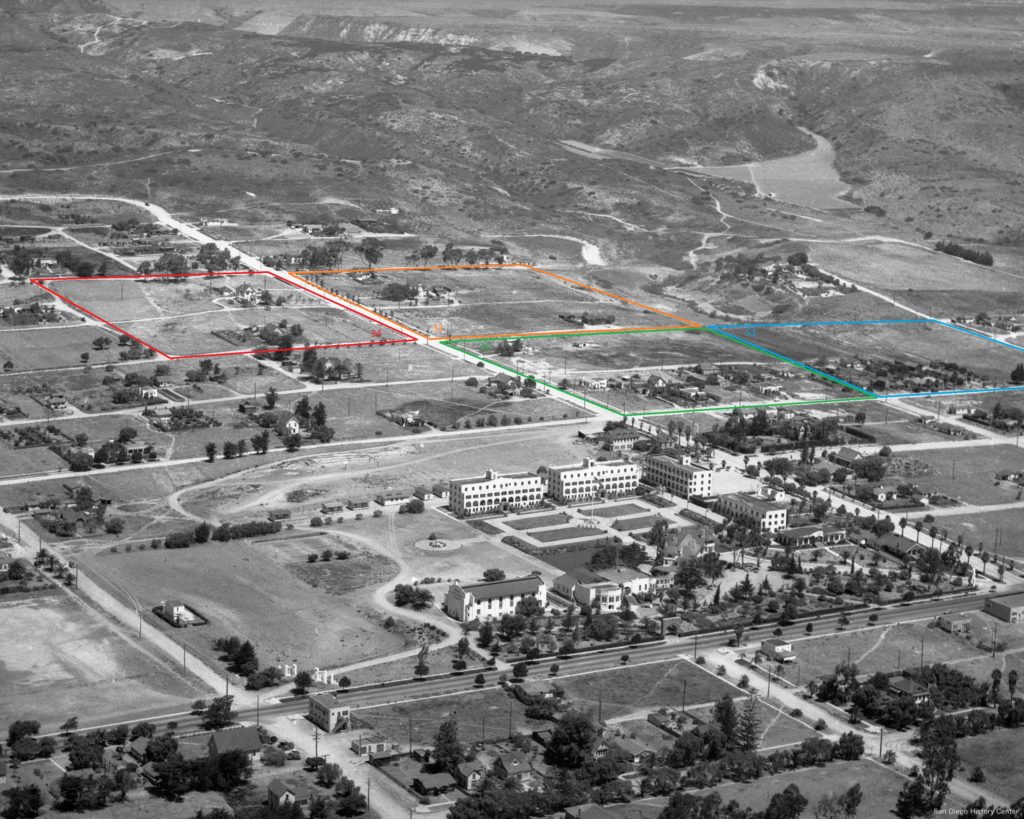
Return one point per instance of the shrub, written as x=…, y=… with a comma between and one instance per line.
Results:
x=316, y=521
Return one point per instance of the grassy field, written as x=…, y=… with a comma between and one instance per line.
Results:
x=481, y=715
x=243, y=590
x=997, y=754
x=635, y=688
x=536, y=521
x=886, y=648
x=917, y=270
x=968, y=474
x=988, y=528
x=563, y=533
x=58, y=659
x=880, y=785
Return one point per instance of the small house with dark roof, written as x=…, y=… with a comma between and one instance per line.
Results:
x=281, y=794
x=433, y=784
x=469, y=775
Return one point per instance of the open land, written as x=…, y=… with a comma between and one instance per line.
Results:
x=59, y=659
x=244, y=591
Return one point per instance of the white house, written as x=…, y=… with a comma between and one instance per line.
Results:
x=483, y=601
x=329, y=713
x=493, y=493
x=589, y=589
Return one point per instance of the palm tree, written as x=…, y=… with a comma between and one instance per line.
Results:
x=997, y=678
x=1011, y=683
x=918, y=526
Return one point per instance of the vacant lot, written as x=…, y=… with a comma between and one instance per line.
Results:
x=481, y=715
x=59, y=659
x=625, y=689
x=886, y=648
x=244, y=591
x=986, y=528
x=968, y=474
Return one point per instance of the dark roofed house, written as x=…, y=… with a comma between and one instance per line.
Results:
x=846, y=457
x=245, y=739
x=433, y=784
x=280, y=794
x=906, y=687
x=811, y=536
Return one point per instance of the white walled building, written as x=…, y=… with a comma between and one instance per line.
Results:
x=482, y=601
x=680, y=476
x=762, y=513
x=495, y=493
x=590, y=589
x=329, y=713
x=593, y=479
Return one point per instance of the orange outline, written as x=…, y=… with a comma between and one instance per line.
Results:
x=684, y=323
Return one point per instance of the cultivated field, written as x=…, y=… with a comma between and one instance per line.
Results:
x=201, y=314
x=59, y=659
x=244, y=591
x=492, y=301
x=44, y=348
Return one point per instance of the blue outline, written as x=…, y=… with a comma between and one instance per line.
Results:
x=817, y=323
x=979, y=335
x=746, y=342
x=721, y=329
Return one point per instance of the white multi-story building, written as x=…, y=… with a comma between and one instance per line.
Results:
x=329, y=712
x=495, y=493
x=593, y=479
x=765, y=514
x=680, y=476
x=482, y=601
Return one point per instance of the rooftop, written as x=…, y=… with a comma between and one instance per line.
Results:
x=505, y=588
x=755, y=502
x=1011, y=600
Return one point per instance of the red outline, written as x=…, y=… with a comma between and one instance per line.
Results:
x=170, y=357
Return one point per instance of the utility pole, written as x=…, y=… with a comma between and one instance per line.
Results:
x=922, y=655
x=316, y=742
x=257, y=708
x=881, y=733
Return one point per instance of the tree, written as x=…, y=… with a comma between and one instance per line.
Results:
x=690, y=576
x=328, y=774
x=303, y=681
x=462, y=647
x=371, y=249
x=349, y=800
x=1011, y=682
x=572, y=740
x=788, y=804
x=211, y=451
x=21, y=728
x=725, y=715
x=448, y=751
x=422, y=669
x=70, y=725
x=997, y=678
x=748, y=729
x=271, y=397
x=493, y=575
x=520, y=670
x=486, y=634
x=23, y=802
x=219, y=714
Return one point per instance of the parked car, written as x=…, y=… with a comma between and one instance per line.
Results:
x=293, y=754
x=285, y=745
